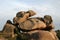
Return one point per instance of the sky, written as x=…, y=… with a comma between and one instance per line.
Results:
x=9, y=8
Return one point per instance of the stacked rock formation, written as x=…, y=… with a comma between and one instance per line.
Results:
x=32, y=28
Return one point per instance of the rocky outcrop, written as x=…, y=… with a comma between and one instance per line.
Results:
x=41, y=35
x=26, y=28
x=8, y=30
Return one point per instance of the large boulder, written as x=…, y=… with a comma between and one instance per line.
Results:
x=8, y=30
x=22, y=15
x=39, y=35
x=48, y=21
x=31, y=23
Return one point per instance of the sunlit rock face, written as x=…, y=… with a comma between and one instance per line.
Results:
x=25, y=28
x=40, y=35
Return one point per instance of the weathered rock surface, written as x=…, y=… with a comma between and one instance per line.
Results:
x=26, y=28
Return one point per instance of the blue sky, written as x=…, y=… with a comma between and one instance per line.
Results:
x=9, y=8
